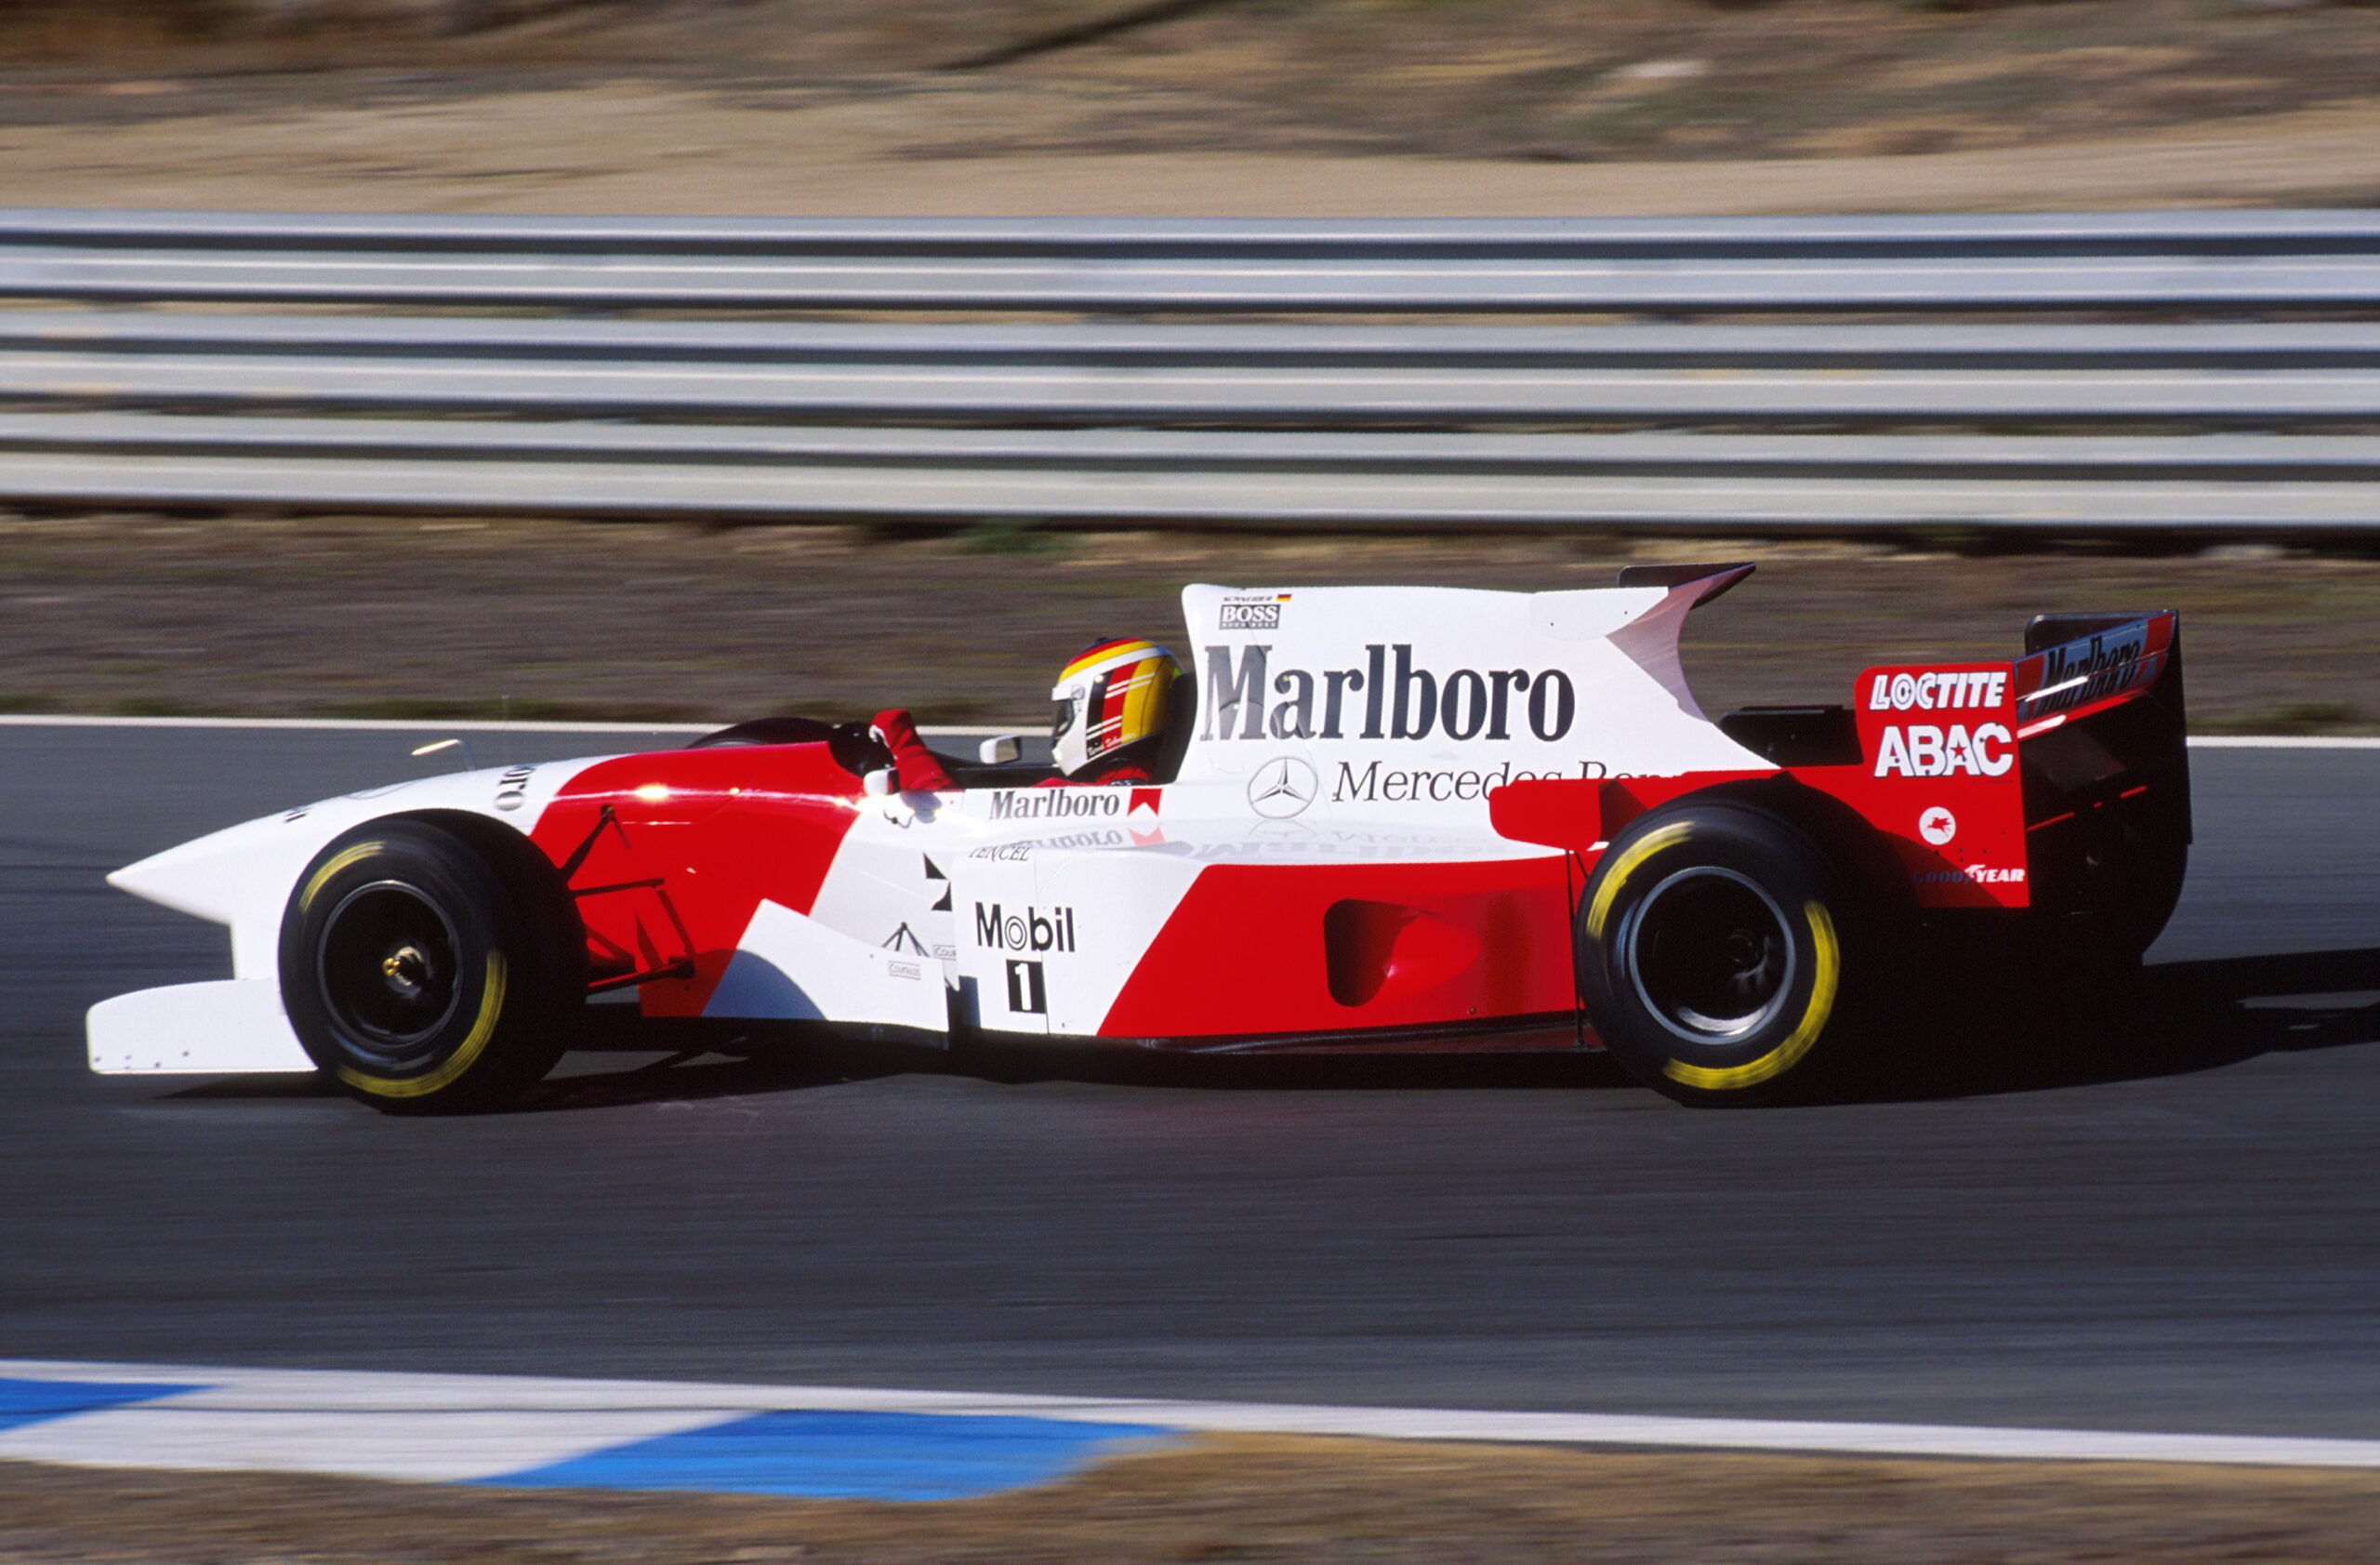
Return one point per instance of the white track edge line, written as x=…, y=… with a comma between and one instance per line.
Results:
x=399, y=1393
x=2282, y=741
x=484, y=725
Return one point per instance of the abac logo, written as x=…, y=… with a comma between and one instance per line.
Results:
x=1923, y=751
x=1401, y=702
x=1031, y=929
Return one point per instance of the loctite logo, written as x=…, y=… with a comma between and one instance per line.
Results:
x=1386, y=699
x=1029, y=929
x=1922, y=749
x=1934, y=692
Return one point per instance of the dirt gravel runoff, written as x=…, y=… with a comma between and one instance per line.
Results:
x=1362, y=108
x=1254, y=1498
x=399, y=618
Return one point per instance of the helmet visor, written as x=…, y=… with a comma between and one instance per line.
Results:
x=1062, y=719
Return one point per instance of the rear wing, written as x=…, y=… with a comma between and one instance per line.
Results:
x=2050, y=783
x=2059, y=781
x=2101, y=730
x=2078, y=666
x=2101, y=718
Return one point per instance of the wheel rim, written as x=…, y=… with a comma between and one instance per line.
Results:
x=387, y=969
x=1710, y=955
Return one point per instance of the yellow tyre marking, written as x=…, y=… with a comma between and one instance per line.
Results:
x=483, y=1030
x=345, y=858
x=1638, y=851
x=1828, y=965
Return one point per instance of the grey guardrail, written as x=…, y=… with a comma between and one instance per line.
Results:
x=267, y=339
x=2230, y=261
x=1210, y=419
x=2240, y=485
x=1260, y=395
x=2320, y=232
x=1372, y=500
x=1582, y=458
x=1389, y=285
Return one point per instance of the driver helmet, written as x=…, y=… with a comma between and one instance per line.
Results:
x=1113, y=694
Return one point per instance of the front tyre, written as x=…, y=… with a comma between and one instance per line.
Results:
x=1722, y=953
x=429, y=966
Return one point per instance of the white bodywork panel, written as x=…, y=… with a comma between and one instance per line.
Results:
x=791, y=968
x=221, y=1027
x=1412, y=703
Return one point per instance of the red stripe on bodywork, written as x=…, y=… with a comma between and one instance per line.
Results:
x=1285, y=949
x=720, y=830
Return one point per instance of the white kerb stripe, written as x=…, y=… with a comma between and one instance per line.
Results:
x=393, y=1424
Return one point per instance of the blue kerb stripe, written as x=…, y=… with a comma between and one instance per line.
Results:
x=846, y=1456
x=32, y=1401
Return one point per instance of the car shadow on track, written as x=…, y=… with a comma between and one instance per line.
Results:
x=2171, y=1019
x=611, y=1079
x=2165, y=1020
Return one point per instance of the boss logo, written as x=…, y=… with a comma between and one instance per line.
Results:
x=1250, y=616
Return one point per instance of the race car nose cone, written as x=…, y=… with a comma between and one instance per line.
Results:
x=142, y=879
x=207, y=877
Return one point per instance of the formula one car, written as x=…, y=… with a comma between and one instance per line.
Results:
x=1380, y=819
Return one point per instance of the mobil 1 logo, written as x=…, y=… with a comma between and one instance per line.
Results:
x=1028, y=995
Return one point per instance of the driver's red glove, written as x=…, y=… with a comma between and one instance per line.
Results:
x=918, y=771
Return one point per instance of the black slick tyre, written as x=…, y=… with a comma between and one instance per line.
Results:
x=1724, y=955
x=431, y=965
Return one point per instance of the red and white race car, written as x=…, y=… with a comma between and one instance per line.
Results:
x=1384, y=818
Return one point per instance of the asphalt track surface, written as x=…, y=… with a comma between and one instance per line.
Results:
x=2153, y=1209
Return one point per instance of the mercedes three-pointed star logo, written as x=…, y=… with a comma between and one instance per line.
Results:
x=1282, y=787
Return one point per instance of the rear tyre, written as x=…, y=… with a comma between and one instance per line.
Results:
x=430, y=966
x=1723, y=954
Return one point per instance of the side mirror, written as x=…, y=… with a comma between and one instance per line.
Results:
x=1001, y=751
x=881, y=781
